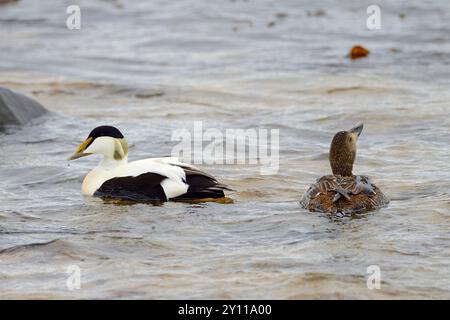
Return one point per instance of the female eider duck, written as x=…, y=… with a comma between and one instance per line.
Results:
x=157, y=179
x=342, y=192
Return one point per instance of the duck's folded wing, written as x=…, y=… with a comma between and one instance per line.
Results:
x=201, y=184
x=324, y=185
x=341, y=186
x=144, y=187
x=358, y=185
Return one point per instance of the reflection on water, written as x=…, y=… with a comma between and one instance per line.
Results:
x=151, y=68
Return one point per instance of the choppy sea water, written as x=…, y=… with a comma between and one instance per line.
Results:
x=150, y=68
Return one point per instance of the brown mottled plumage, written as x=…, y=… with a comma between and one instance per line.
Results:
x=342, y=192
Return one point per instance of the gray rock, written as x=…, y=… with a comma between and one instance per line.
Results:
x=18, y=109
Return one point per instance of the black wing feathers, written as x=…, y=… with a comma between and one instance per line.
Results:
x=201, y=185
x=147, y=187
x=144, y=187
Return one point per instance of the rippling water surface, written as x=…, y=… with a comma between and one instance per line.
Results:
x=150, y=68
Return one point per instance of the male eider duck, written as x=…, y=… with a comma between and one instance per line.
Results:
x=157, y=179
x=342, y=192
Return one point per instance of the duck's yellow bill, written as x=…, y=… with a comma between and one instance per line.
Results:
x=80, y=151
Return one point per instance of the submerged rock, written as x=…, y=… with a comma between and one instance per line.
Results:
x=18, y=109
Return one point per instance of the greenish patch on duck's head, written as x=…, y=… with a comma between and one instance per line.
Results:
x=121, y=149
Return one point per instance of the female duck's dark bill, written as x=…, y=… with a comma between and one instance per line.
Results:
x=358, y=129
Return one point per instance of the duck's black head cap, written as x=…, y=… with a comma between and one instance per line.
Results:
x=105, y=131
x=343, y=151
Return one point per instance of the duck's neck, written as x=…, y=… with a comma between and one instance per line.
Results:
x=341, y=162
x=108, y=163
x=343, y=171
x=342, y=168
x=104, y=171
